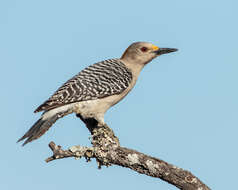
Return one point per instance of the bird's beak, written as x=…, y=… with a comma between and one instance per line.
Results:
x=161, y=51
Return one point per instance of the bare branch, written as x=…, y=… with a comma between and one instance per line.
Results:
x=107, y=151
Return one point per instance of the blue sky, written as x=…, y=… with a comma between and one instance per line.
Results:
x=184, y=108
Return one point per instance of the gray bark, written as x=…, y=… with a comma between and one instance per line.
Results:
x=107, y=151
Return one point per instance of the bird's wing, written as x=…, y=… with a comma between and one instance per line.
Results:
x=99, y=80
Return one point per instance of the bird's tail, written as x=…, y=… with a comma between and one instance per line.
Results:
x=41, y=126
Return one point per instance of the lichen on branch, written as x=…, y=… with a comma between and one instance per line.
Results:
x=107, y=151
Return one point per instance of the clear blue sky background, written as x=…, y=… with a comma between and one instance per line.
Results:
x=184, y=108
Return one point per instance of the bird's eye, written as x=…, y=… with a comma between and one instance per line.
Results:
x=144, y=49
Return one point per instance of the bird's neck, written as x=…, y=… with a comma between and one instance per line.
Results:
x=134, y=66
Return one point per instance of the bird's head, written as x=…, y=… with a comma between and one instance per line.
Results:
x=144, y=52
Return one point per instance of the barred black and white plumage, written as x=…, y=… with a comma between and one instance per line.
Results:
x=99, y=80
x=95, y=89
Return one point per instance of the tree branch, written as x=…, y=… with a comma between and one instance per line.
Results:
x=107, y=151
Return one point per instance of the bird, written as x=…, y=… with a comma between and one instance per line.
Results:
x=95, y=89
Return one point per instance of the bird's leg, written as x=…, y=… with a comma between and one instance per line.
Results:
x=99, y=130
x=93, y=119
x=80, y=116
x=91, y=122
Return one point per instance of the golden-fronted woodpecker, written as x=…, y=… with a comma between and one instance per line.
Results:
x=95, y=89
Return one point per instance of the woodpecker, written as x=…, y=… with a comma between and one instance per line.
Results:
x=95, y=89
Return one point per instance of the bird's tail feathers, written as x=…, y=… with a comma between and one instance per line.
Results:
x=41, y=126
